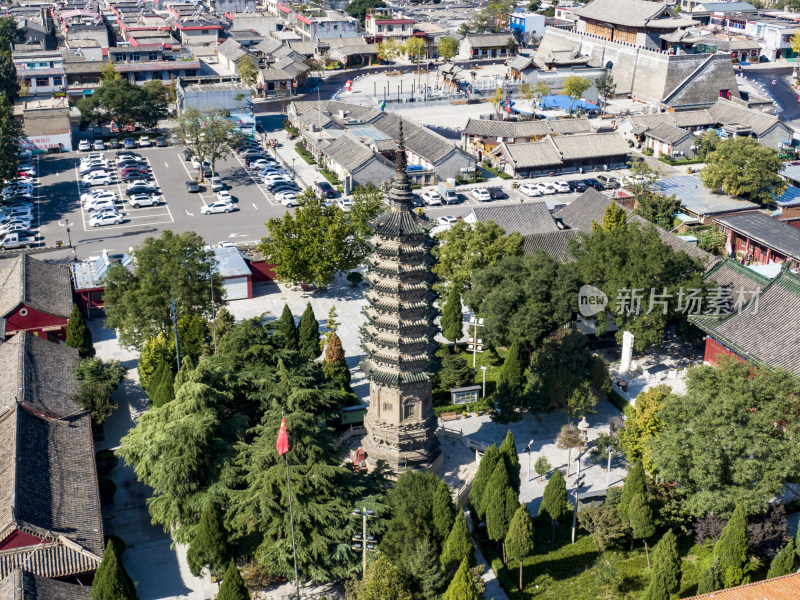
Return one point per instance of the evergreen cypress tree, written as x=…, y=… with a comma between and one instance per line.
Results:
x=512, y=371
x=508, y=450
x=496, y=485
x=710, y=579
x=209, y=546
x=458, y=546
x=554, y=499
x=156, y=378
x=462, y=587
x=78, y=334
x=233, y=587
x=634, y=484
x=165, y=390
x=111, y=581
x=308, y=335
x=640, y=516
x=731, y=549
x=287, y=326
x=496, y=524
x=452, y=320
x=444, y=513
x=423, y=569
x=187, y=367
x=783, y=563
x=485, y=470
x=519, y=540
x=334, y=365
x=665, y=578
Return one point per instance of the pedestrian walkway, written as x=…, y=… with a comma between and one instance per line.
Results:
x=304, y=173
x=494, y=591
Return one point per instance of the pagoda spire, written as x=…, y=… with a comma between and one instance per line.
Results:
x=400, y=196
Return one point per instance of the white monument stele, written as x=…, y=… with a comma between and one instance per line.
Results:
x=627, y=352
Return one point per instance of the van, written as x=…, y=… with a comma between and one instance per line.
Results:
x=609, y=181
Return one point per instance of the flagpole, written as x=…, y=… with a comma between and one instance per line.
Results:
x=291, y=520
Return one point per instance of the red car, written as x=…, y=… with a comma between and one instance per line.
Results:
x=138, y=170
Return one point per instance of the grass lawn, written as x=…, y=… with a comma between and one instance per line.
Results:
x=565, y=571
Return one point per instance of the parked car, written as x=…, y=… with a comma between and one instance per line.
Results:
x=135, y=175
x=498, y=194
x=593, y=183
x=97, y=195
x=286, y=194
x=14, y=226
x=447, y=220
x=162, y=142
x=92, y=156
x=481, y=194
x=145, y=142
x=99, y=145
x=187, y=154
x=289, y=201
x=131, y=157
x=97, y=178
x=216, y=184
x=610, y=182
x=432, y=198
x=217, y=207
x=562, y=187
x=140, y=170
x=84, y=145
x=124, y=152
x=113, y=143
x=258, y=164
x=282, y=186
x=105, y=219
x=206, y=171
x=253, y=158
x=224, y=196
x=95, y=166
x=94, y=205
x=577, y=185
x=129, y=143
x=450, y=197
x=530, y=189
x=140, y=187
x=192, y=187
x=18, y=239
x=325, y=189
x=138, y=200
x=547, y=189
x=345, y=203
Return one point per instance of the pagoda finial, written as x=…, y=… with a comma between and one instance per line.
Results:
x=400, y=196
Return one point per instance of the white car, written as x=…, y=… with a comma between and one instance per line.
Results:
x=432, y=198
x=99, y=145
x=217, y=207
x=481, y=195
x=138, y=200
x=84, y=145
x=226, y=244
x=216, y=184
x=195, y=162
x=291, y=193
x=278, y=179
x=105, y=219
x=96, y=194
x=28, y=169
x=562, y=187
x=345, y=203
x=96, y=179
x=14, y=226
x=224, y=196
x=259, y=164
x=530, y=189
x=96, y=205
x=447, y=220
x=92, y=156
x=94, y=166
x=13, y=216
x=144, y=142
x=547, y=189
x=129, y=157
x=289, y=200
x=17, y=188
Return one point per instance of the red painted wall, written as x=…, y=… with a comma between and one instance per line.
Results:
x=18, y=539
x=262, y=271
x=34, y=321
x=714, y=350
x=250, y=286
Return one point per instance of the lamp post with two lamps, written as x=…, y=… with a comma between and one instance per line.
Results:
x=364, y=542
x=67, y=223
x=475, y=345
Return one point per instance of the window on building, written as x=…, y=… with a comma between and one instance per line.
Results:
x=57, y=81
x=42, y=82
x=387, y=407
x=152, y=56
x=135, y=57
x=336, y=27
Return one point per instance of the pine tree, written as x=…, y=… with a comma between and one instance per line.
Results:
x=634, y=484
x=457, y=546
x=462, y=587
x=640, y=516
x=331, y=325
x=78, y=334
x=731, y=549
x=111, y=581
x=554, y=499
x=452, y=320
x=383, y=581
x=783, y=563
x=496, y=485
x=334, y=365
x=288, y=328
x=519, y=540
x=209, y=546
x=485, y=470
x=156, y=378
x=508, y=450
x=496, y=523
x=444, y=513
x=164, y=391
x=233, y=587
x=512, y=371
x=308, y=335
x=187, y=368
x=710, y=579
x=665, y=578
x=423, y=569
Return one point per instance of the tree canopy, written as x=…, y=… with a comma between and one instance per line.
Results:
x=78, y=334
x=111, y=581
x=97, y=381
x=209, y=135
x=10, y=134
x=119, y=101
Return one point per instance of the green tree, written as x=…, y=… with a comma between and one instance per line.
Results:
x=97, y=381
x=644, y=425
x=452, y=319
x=426, y=575
x=657, y=208
x=707, y=143
x=313, y=243
x=558, y=367
x=334, y=364
x=9, y=33
x=114, y=101
x=495, y=491
x=461, y=587
x=209, y=545
x=331, y=325
x=464, y=249
x=389, y=49
x=248, y=70
x=541, y=90
x=710, y=579
x=485, y=469
x=711, y=240
x=512, y=371
x=111, y=581
x=570, y=438
x=500, y=501
x=603, y=524
x=723, y=467
x=520, y=538
x=78, y=334
x=193, y=336
x=606, y=88
x=209, y=135
x=233, y=587
x=367, y=204
x=508, y=451
x=155, y=351
x=634, y=485
x=444, y=513
x=741, y=166
x=581, y=401
x=527, y=91
x=554, y=500
x=447, y=48
x=731, y=548
x=640, y=516
x=458, y=546
x=359, y=8
x=9, y=82
x=783, y=563
x=542, y=466
x=171, y=267
x=162, y=388
x=155, y=102
x=665, y=578
x=574, y=87
x=415, y=49
x=455, y=372
x=497, y=99
x=287, y=327
x=507, y=404
x=383, y=581
x=308, y=334
x=10, y=136
x=523, y=298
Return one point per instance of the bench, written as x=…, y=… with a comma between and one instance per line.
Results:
x=451, y=416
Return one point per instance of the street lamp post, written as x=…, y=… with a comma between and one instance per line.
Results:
x=608, y=470
x=484, y=369
x=528, y=450
x=294, y=174
x=66, y=223
x=364, y=542
x=576, y=495
x=475, y=345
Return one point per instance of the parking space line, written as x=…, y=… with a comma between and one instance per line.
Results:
x=160, y=190
x=203, y=200
x=80, y=193
x=256, y=181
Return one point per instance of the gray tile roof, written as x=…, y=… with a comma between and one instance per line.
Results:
x=332, y=107
x=634, y=13
x=732, y=275
x=729, y=113
x=767, y=331
x=348, y=152
x=670, y=134
x=268, y=46
x=526, y=219
x=488, y=40
x=534, y=155
x=37, y=284
x=24, y=585
x=420, y=140
x=231, y=49
x=766, y=230
x=553, y=243
x=38, y=374
x=590, y=145
x=676, y=243
x=306, y=49
x=525, y=129
x=520, y=63
x=275, y=75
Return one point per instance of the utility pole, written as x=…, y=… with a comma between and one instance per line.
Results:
x=484, y=369
x=528, y=450
x=576, y=495
x=364, y=542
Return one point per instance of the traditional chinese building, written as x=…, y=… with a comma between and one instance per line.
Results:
x=399, y=335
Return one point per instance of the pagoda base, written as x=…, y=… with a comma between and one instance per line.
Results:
x=412, y=445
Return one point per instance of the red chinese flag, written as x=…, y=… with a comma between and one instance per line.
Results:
x=282, y=445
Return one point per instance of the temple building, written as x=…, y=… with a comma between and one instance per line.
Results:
x=398, y=337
